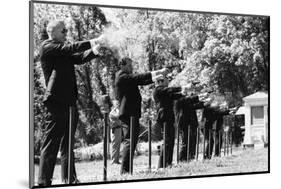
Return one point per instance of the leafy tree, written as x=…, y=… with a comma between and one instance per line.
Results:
x=87, y=22
x=227, y=53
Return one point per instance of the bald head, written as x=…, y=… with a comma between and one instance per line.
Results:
x=56, y=30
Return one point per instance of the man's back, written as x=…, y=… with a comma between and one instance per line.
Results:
x=164, y=99
x=57, y=62
x=185, y=109
x=128, y=94
x=220, y=115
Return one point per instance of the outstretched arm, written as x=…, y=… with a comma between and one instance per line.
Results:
x=59, y=49
x=83, y=57
x=139, y=79
x=171, y=92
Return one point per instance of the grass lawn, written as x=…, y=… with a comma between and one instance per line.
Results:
x=241, y=161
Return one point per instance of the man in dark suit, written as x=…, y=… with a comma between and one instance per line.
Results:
x=128, y=95
x=213, y=118
x=57, y=62
x=164, y=98
x=186, y=117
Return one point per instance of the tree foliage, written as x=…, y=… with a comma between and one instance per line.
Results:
x=225, y=52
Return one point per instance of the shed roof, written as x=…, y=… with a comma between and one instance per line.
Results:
x=257, y=95
x=241, y=110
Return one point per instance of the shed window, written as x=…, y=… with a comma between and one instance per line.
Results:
x=257, y=115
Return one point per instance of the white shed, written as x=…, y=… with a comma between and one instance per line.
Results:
x=256, y=119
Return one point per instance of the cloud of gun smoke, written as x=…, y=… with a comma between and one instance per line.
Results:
x=116, y=38
x=113, y=31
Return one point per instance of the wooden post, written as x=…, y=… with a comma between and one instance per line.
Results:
x=219, y=143
x=149, y=145
x=178, y=144
x=164, y=144
x=224, y=145
x=204, y=133
x=108, y=140
x=215, y=140
x=132, y=120
x=70, y=144
x=197, y=143
x=231, y=141
x=209, y=146
x=105, y=110
x=227, y=143
x=188, y=142
x=105, y=128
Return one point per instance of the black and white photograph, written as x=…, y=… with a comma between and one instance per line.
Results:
x=125, y=94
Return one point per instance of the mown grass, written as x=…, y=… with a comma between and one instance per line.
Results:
x=241, y=161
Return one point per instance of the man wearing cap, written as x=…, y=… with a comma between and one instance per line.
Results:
x=57, y=62
x=129, y=97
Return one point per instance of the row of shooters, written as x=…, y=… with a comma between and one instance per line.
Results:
x=176, y=108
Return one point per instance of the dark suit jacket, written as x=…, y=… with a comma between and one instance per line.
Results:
x=219, y=120
x=57, y=62
x=128, y=94
x=164, y=99
x=185, y=109
x=214, y=115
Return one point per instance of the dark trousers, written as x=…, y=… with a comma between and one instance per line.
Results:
x=55, y=138
x=170, y=142
x=212, y=136
x=126, y=143
x=184, y=144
